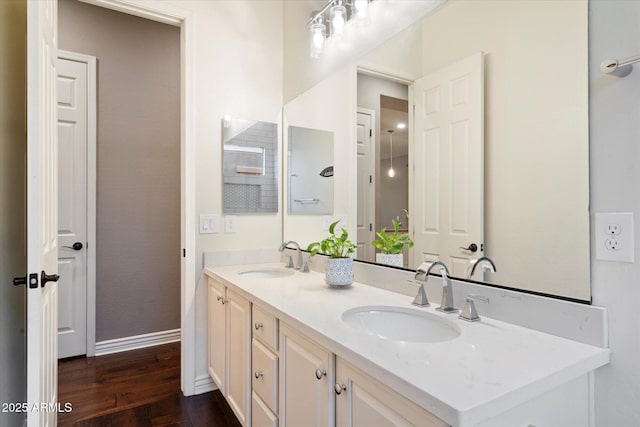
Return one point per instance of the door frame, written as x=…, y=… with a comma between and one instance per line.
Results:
x=169, y=14
x=91, y=178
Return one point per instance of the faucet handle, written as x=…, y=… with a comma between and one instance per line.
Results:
x=469, y=312
x=305, y=265
x=289, y=263
x=421, y=299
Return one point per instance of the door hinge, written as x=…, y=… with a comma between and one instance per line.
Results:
x=370, y=179
x=370, y=227
x=370, y=133
x=184, y=253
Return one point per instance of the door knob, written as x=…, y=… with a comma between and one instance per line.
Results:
x=44, y=278
x=472, y=248
x=76, y=246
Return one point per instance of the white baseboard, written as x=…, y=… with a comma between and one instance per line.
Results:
x=137, y=341
x=204, y=384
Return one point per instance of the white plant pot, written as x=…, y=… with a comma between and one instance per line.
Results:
x=390, y=259
x=339, y=272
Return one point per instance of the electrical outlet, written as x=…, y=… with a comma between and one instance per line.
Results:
x=613, y=229
x=612, y=244
x=230, y=224
x=614, y=240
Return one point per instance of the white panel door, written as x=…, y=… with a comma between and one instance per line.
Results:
x=448, y=164
x=72, y=207
x=306, y=382
x=365, y=220
x=217, y=331
x=42, y=214
x=238, y=355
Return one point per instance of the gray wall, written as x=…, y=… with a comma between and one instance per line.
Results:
x=138, y=200
x=615, y=187
x=13, y=27
x=394, y=192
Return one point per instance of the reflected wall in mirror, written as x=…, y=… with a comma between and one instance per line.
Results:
x=310, y=168
x=249, y=158
x=535, y=192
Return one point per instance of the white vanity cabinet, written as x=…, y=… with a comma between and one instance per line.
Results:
x=362, y=401
x=306, y=381
x=229, y=333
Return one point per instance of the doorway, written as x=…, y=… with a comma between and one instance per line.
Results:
x=138, y=173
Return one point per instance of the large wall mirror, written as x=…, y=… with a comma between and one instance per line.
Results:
x=512, y=176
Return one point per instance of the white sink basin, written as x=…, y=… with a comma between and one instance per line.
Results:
x=401, y=324
x=267, y=273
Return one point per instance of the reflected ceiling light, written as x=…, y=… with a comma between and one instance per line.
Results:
x=391, y=172
x=335, y=15
x=401, y=125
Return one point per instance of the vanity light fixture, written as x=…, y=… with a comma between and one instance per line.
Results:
x=334, y=15
x=318, y=32
x=391, y=172
x=338, y=16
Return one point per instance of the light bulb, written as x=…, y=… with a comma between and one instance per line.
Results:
x=338, y=19
x=401, y=125
x=316, y=44
x=361, y=7
x=391, y=173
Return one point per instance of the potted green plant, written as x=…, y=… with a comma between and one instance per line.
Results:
x=391, y=245
x=339, y=266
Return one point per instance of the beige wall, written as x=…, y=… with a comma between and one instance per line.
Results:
x=13, y=27
x=536, y=133
x=138, y=189
x=319, y=108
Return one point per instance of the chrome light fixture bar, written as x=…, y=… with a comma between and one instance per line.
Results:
x=330, y=21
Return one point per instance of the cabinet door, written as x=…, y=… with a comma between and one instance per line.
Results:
x=306, y=381
x=216, y=323
x=366, y=402
x=238, y=355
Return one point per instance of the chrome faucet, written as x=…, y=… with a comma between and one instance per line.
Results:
x=446, y=304
x=299, y=262
x=486, y=263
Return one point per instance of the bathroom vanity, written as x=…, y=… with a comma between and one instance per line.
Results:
x=285, y=349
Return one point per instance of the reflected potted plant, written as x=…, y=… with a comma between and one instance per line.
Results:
x=339, y=265
x=391, y=245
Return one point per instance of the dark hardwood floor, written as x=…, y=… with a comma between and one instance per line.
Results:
x=135, y=388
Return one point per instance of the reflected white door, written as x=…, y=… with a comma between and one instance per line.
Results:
x=42, y=214
x=72, y=206
x=448, y=165
x=365, y=220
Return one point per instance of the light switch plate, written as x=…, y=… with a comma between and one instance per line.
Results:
x=614, y=237
x=230, y=224
x=209, y=223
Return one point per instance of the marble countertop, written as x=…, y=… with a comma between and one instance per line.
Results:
x=490, y=368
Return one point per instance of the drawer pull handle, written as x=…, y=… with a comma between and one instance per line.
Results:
x=340, y=388
x=320, y=373
x=257, y=326
x=258, y=375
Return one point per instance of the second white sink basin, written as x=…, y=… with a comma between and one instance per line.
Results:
x=267, y=273
x=401, y=324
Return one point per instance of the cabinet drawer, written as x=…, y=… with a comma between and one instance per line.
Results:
x=264, y=376
x=261, y=415
x=265, y=327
